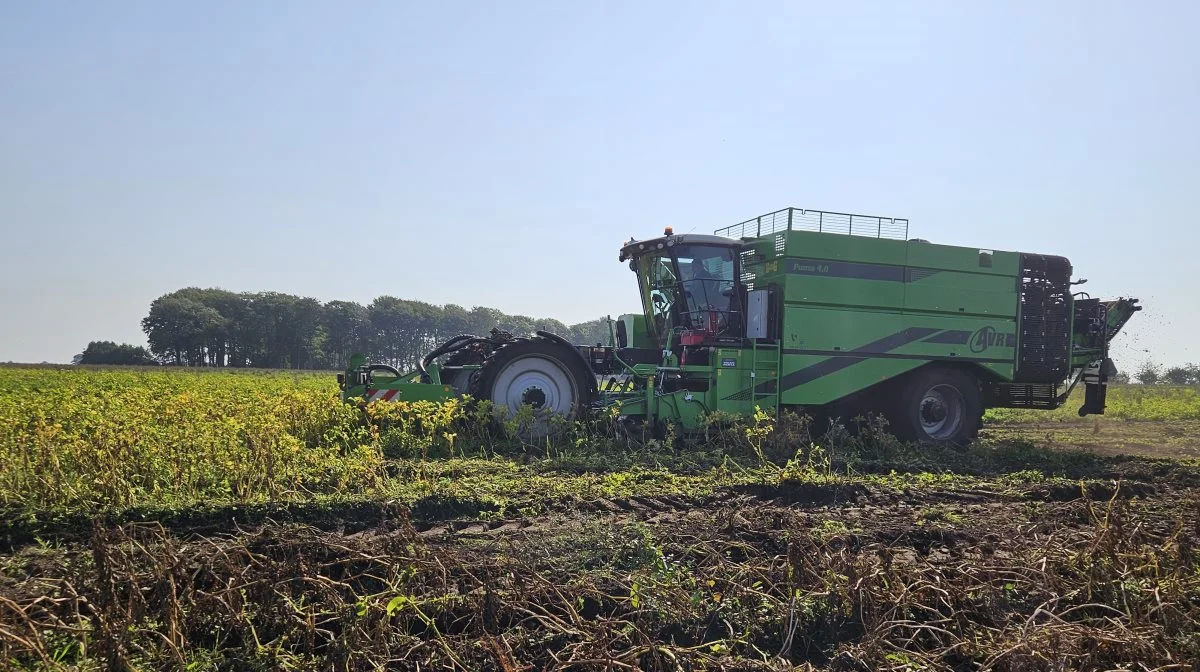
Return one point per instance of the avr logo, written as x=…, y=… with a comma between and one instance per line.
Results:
x=987, y=337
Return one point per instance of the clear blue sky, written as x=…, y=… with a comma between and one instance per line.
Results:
x=498, y=153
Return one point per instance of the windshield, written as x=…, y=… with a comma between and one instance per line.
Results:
x=690, y=287
x=660, y=293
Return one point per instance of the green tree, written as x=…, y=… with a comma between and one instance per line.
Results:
x=1182, y=375
x=553, y=326
x=393, y=332
x=283, y=330
x=227, y=348
x=455, y=320
x=216, y=327
x=346, y=329
x=108, y=352
x=179, y=329
x=1149, y=373
x=482, y=320
x=591, y=332
x=425, y=325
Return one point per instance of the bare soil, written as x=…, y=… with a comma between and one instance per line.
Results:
x=839, y=576
x=1018, y=559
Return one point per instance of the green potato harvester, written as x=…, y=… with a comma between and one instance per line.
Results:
x=809, y=310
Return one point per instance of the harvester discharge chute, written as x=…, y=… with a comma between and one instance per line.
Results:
x=798, y=309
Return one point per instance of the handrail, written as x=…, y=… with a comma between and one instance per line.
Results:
x=821, y=221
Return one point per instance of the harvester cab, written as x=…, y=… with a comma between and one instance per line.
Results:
x=690, y=289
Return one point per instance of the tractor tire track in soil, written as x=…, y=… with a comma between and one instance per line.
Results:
x=436, y=515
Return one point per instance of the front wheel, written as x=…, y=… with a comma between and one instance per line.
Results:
x=545, y=375
x=938, y=405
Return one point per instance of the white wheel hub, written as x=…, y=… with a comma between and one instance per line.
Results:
x=536, y=380
x=942, y=412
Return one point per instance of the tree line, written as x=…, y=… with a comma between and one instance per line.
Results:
x=1150, y=373
x=219, y=328
x=108, y=352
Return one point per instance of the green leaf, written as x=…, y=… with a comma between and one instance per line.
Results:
x=396, y=603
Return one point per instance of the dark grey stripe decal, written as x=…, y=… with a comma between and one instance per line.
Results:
x=848, y=358
x=894, y=355
x=889, y=343
x=950, y=337
x=818, y=370
x=857, y=270
x=915, y=274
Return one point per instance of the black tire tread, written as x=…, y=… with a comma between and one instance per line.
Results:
x=904, y=415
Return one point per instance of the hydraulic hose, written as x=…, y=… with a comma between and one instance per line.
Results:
x=458, y=343
x=453, y=345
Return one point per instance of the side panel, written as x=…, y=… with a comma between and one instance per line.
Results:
x=844, y=271
x=858, y=311
x=829, y=353
x=745, y=379
x=961, y=293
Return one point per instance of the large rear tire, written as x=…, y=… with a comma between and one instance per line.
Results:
x=543, y=374
x=938, y=405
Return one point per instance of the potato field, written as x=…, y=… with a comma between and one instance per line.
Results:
x=155, y=519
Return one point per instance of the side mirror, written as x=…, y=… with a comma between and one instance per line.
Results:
x=622, y=335
x=341, y=377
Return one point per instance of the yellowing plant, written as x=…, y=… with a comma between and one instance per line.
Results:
x=115, y=439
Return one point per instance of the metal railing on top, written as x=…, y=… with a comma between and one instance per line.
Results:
x=796, y=219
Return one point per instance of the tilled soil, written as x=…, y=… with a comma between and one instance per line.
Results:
x=837, y=575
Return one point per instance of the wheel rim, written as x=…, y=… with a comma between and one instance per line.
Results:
x=539, y=381
x=942, y=412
